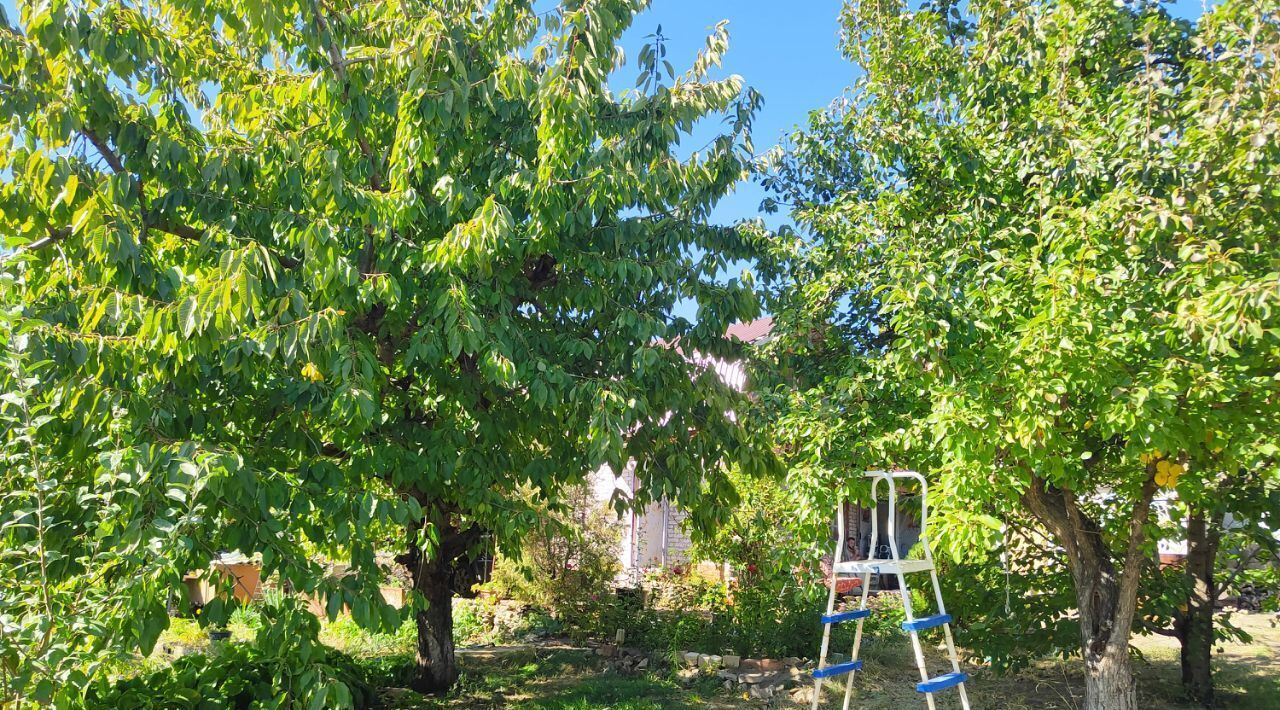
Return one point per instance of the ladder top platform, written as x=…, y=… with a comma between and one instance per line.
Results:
x=883, y=566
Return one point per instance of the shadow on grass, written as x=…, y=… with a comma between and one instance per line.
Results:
x=560, y=680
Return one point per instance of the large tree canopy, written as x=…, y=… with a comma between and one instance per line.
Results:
x=283, y=275
x=1039, y=258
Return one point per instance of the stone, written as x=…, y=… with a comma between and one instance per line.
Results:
x=727, y=675
x=643, y=664
x=791, y=661
x=691, y=658
x=802, y=695
x=727, y=685
x=509, y=618
x=731, y=661
x=607, y=650
x=687, y=676
x=770, y=664
x=762, y=692
x=765, y=678
x=708, y=661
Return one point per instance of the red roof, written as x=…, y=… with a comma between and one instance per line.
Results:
x=751, y=332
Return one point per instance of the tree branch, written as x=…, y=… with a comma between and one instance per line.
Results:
x=103, y=149
x=54, y=236
x=339, y=64
x=1131, y=575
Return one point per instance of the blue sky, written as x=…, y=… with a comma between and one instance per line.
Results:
x=788, y=51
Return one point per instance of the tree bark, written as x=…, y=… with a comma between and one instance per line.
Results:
x=1106, y=598
x=435, y=575
x=1108, y=680
x=437, y=667
x=1195, y=627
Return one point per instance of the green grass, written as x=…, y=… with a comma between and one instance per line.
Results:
x=1248, y=676
x=558, y=679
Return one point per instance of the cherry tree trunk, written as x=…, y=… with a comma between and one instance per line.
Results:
x=437, y=668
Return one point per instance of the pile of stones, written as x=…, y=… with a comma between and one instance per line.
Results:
x=760, y=678
x=627, y=660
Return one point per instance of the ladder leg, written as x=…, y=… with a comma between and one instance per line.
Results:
x=915, y=635
x=857, y=639
x=946, y=630
x=826, y=633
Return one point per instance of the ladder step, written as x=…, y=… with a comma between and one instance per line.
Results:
x=941, y=682
x=838, y=669
x=846, y=616
x=927, y=622
x=860, y=567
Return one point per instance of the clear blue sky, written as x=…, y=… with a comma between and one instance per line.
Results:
x=788, y=51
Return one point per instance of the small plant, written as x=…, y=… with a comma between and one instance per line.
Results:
x=472, y=621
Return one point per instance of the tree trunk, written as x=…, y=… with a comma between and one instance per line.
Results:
x=1106, y=598
x=437, y=668
x=1105, y=619
x=1195, y=628
x=433, y=573
x=1108, y=680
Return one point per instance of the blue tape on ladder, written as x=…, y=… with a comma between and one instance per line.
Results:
x=846, y=616
x=838, y=669
x=941, y=682
x=927, y=622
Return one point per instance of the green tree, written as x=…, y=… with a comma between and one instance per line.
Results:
x=297, y=271
x=1040, y=239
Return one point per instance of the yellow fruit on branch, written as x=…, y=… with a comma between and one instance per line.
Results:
x=311, y=372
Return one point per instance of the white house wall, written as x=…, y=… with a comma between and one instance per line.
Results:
x=655, y=536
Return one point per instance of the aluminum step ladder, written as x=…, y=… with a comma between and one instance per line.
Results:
x=895, y=565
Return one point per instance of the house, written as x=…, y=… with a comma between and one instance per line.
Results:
x=244, y=572
x=655, y=537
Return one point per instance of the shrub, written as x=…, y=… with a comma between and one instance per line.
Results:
x=679, y=587
x=567, y=565
x=344, y=634
x=240, y=676
x=472, y=621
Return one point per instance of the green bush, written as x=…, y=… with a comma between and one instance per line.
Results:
x=767, y=619
x=567, y=565
x=344, y=634
x=240, y=676
x=472, y=621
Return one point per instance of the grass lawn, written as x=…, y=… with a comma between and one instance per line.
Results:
x=1248, y=676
